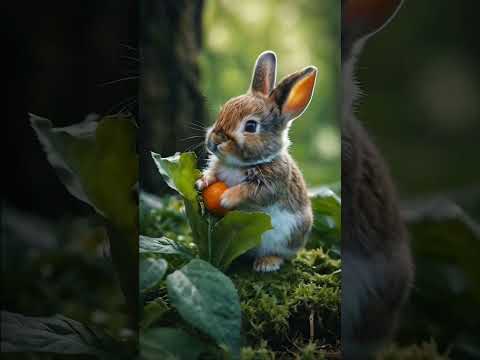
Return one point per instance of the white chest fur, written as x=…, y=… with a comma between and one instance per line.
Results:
x=275, y=241
x=230, y=176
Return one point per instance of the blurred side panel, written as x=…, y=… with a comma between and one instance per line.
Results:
x=65, y=62
x=419, y=81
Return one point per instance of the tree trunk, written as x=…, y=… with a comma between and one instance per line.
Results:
x=170, y=98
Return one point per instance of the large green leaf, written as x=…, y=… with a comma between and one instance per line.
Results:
x=208, y=300
x=180, y=173
x=56, y=334
x=449, y=237
x=151, y=271
x=97, y=163
x=235, y=234
x=163, y=245
x=445, y=300
x=170, y=344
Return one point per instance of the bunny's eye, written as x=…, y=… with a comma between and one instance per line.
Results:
x=251, y=126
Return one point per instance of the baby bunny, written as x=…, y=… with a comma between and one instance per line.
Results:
x=248, y=150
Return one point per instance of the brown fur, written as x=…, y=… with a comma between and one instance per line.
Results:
x=268, y=263
x=236, y=109
x=377, y=268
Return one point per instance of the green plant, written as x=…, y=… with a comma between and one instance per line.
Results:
x=97, y=163
x=326, y=206
x=200, y=292
x=219, y=241
x=58, y=334
x=196, y=296
x=445, y=241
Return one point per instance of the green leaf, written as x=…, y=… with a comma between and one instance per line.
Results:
x=163, y=245
x=327, y=212
x=235, y=234
x=56, y=334
x=152, y=312
x=445, y=244
x=208, y=300
x=151, y=272
x=170, y=344
x=97, y=163
x=326, y=203
x=446, y=237
x=179, y=172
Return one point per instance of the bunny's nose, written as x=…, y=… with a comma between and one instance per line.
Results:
x=215, y=139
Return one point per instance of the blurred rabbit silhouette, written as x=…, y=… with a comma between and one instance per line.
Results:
x=377, y=266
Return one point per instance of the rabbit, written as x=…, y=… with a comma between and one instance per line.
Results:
x=248, y=150
x=377, y=266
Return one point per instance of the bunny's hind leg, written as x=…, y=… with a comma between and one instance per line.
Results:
x=268, y=263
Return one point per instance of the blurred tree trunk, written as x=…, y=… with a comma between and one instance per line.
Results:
x=170, y=98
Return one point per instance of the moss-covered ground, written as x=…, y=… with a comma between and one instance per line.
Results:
x=290, y=314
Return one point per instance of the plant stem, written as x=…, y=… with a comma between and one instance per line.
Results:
x=209, y=220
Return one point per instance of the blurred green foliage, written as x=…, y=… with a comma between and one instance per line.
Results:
x=420, y=76
x=301, y=33
x=72, y=270
x=424, y=351
x=73, y=278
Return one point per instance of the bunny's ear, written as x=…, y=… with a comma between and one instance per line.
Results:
x=264, y=73
x=361, y=18
x=294, y=93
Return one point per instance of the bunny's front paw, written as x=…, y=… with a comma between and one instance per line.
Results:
x=204, y=182
x=267, y=263
x=232, y=197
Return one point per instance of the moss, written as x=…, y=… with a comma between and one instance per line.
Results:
x=424, y=351
x=261, y=352
x=299, y=303
x=291, y=314
x=300, y=351
x=310, y=351
x=164, y=217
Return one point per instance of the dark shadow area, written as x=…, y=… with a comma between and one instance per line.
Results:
x=421, y=105
x=65, y=60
